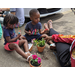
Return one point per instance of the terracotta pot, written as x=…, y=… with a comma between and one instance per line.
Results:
x=33, y=65
x=40, y=49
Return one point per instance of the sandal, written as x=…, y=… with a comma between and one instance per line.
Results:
x=27, y=52
x=28, y=56
x=52, y=46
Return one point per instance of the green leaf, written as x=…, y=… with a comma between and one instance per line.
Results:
x=36, y=60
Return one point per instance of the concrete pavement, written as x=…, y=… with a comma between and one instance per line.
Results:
x=63, y=23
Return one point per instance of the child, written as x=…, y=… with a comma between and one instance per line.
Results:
x=10, y=37
x=33, y=28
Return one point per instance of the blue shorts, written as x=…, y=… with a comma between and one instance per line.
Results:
x=30, y=37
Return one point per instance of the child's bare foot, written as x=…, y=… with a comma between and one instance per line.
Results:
x=50, y=24
x=46, y=26
x=46, y=30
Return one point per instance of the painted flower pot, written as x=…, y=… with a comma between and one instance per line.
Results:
x=40, y=49
x=33, y=65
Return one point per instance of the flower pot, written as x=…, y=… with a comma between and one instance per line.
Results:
x=33, y=65
x=40, y=49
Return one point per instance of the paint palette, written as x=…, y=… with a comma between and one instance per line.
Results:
x=0, y=31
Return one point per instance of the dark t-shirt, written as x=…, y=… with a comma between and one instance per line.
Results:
x=33, y=28
x=8, y=32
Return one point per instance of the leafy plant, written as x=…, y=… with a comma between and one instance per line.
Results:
x=36, y=61
x=39, y=43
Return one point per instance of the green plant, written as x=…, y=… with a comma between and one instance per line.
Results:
x=39, y=43
x=36, y=61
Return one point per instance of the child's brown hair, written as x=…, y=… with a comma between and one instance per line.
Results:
x=11, y=19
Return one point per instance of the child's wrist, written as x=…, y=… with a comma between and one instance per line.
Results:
x=16, y=37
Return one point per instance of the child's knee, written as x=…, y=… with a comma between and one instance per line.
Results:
x=21, y=42
x=15, y=46
x=25, y=41
x=22, y=37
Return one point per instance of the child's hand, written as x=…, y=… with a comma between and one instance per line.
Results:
x=29, y=33
x=18, y=36
x=48, y=38
x=45, y=31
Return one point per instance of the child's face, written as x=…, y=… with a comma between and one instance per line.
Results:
x=35, y=18
x=11, y=26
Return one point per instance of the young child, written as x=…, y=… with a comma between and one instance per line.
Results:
x=33, y=28
x=10, y=37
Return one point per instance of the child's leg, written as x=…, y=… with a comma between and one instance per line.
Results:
x=43, y=36
x=50, y=24
x=24, y=43
x=52, y=45
x=15, y=47
x=50, y=41
x=46, y=37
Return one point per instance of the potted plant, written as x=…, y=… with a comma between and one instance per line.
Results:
x=35, y=61
x=40, y=44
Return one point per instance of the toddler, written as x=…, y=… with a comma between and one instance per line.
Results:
x=10, y=37
x=33, y=29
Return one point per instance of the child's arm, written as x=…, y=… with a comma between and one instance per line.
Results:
x=12, y=40
x=40, y=28
x=42, y=32
x=27, y=32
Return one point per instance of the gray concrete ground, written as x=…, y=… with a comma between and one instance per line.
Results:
x=64, y=23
